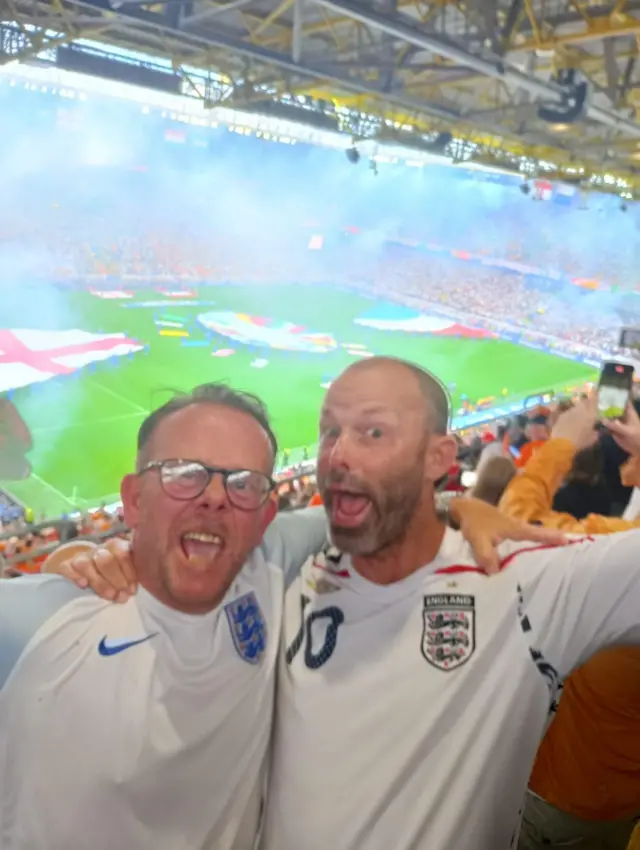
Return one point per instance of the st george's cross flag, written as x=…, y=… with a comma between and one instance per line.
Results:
x=15, y=443
x=30, y=356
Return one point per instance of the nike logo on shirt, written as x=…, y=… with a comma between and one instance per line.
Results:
x=113, y=647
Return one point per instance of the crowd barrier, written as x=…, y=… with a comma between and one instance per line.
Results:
x=42, y=551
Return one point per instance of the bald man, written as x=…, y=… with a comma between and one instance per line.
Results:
x=413, y=689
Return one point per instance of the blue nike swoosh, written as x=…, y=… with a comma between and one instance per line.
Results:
x=113, y=648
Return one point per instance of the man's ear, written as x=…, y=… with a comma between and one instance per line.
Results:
x=130, y=493
x=442, y=452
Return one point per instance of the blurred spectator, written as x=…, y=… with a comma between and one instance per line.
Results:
x=585, y=784
x=536, y=434
x=584, y=490
x=493, y=477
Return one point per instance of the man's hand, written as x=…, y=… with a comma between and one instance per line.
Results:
x=108, y=571
x=578, y=425
x=485, y=527
x=627, y=433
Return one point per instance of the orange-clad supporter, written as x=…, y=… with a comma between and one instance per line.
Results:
x=529, y=496
x=50, y=534
x=537, y=431
x=315, y=500
x=101, y=514
x=25, y=547
x=585, y=784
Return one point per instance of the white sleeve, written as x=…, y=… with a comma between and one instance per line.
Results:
x=25, y=606
x=632, y=511
x=293, y=537
x=577, y=599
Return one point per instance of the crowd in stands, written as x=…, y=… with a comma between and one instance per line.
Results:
x=491, y=297
x=133, y=238
x=25, y=544
x=495, y=299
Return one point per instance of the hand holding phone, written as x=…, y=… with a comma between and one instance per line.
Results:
x=627, y=433
x=614, y=389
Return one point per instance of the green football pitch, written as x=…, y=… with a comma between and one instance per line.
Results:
x=84, y=425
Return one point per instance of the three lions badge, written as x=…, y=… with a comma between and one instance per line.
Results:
x=449, y=630
x=248, y=627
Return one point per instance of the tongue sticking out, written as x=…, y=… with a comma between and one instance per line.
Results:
x=349, y=509
x=201, y=550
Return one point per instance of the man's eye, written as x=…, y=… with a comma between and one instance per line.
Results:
x=374, y=432
x=330, y=433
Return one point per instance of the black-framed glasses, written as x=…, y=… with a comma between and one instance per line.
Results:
x=246, y=489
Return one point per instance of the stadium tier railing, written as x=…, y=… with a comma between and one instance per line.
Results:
x=34, y=554
x=28, y=528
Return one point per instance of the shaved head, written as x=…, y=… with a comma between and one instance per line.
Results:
x=383, y=444
x=431, y=391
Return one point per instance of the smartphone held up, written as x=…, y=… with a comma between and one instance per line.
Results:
x=614, y=389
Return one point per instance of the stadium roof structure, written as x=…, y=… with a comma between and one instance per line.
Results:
x=508, y=83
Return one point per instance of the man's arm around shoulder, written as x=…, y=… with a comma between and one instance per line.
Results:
x=293, y=537
x=25, y=606
x=580, y=598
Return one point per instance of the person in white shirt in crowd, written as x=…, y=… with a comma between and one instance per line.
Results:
x=413, y=690
x=493, y=448
x=145, y=726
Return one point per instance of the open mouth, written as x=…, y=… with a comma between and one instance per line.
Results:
x=347, y=509
x=201, y=545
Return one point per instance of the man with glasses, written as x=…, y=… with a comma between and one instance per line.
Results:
x=145, y=726
x=381, y=453
x=413, y=690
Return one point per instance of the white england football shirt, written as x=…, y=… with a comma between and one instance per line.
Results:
x=137, y=727
x=408, y=715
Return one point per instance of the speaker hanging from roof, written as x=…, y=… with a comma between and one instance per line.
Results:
x=573, y=99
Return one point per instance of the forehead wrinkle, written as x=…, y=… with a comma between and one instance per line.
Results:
x=362, y=409
x=403, y=415
x=402, y=382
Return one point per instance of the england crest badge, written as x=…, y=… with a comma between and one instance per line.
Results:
x=248, y=627
x=449, y=630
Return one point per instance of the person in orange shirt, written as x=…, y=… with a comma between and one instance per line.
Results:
x=585, y=784
x=537, y=431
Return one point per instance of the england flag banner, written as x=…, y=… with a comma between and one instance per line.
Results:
x=31, y=356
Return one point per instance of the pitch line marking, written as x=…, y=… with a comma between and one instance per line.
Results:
x=52, y=488
x=119, y=397
x=87, y=424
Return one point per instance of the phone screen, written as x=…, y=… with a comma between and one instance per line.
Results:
x=614, y=390
x=514, y=451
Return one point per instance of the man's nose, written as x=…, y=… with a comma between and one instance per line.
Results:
x=214, y=495
x=341, y=452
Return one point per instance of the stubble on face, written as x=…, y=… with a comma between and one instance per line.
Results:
x=394, y=501
x=383, y=480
